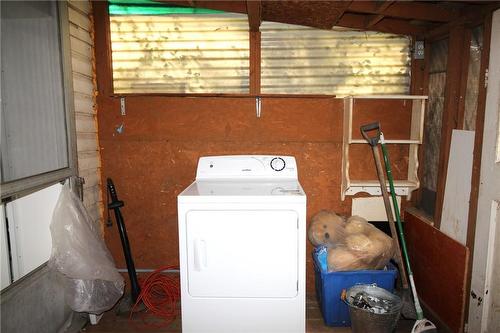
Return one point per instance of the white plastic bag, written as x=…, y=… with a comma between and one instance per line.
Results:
x=92, y=281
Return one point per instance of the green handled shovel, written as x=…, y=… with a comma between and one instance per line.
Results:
x=422, y=324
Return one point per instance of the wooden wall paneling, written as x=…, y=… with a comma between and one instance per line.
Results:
x=85, y=117
x=439, y=264
x=478, y=144
x=450, y=112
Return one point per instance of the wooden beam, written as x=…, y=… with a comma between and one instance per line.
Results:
x=450, y=113
x=417, y=88
x=255, y=60
x=102, y=42
x=469, y=15
x=340, y=11
x=407, y=10
x=395, y=26
x=316, y=14
x=417, y=198
x=374, y=19
x=463, y=81
x=254, y=11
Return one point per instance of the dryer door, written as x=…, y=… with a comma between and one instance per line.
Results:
x=252, y=253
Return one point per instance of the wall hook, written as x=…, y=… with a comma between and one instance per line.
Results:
x=122, y=106
x=258, y=106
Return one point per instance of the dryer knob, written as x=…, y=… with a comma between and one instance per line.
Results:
x=278, y=164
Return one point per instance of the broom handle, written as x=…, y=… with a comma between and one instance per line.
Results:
x=388, y=169
x=388, y=210
x=395, y=203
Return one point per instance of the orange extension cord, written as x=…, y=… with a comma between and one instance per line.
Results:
x=160, y=293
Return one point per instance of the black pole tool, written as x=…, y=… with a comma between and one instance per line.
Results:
x=115, y=205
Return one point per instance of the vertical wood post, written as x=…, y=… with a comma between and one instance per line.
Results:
x=418, y=86
x=476, y=163
x=465, y=74
x=102, y=41
x=255, y=62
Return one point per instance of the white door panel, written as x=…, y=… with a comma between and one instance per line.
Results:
x=485, y=283
x=242, y=253
x=29, y=232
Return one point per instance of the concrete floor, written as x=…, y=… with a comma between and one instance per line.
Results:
x=112, y=323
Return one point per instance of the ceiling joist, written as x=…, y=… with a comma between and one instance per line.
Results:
x=374, y=19
x=339, y=12
x=389, y=25
x=468, y=16
x=410, y=10
x=416, y=18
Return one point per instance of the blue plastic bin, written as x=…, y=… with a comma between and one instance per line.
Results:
x=329, y=286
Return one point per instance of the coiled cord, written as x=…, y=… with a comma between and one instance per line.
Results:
x=160, y=293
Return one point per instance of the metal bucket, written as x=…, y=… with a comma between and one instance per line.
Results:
x=365, y=320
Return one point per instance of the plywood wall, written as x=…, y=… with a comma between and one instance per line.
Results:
x=85, y=112
x=153, y=157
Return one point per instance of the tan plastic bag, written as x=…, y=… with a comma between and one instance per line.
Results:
x=353, y=244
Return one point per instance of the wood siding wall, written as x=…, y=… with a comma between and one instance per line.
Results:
x=85, y=111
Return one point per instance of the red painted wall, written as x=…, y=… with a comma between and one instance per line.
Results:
x=155, y=156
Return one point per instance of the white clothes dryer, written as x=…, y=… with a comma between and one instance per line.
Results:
x=242, y=234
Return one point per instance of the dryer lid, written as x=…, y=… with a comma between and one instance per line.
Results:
x=237, y=187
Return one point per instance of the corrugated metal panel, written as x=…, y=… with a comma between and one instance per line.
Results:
x=180, y=53
x=301, y=60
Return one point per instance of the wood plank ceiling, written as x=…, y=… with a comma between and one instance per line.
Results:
x=416, y=18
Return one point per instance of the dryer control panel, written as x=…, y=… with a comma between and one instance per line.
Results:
x=246, y=167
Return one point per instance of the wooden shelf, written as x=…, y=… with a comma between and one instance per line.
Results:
x=363, y=141
x=409, y=97
x=372, y=187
